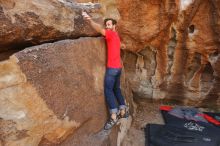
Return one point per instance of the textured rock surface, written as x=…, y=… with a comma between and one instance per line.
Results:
x=34, y=22
x=109, y=8
x=173, y=43
x=55, y=90
x=24, y=116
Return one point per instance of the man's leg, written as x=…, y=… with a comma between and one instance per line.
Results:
x=110, y=97
x=109, y=94
x=119, y=96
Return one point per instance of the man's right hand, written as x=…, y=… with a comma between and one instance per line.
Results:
x=95, y=25
x=86, y=16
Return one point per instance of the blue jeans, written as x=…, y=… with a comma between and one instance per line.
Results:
x=112, y=90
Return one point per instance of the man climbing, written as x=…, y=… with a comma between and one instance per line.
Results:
x=113, y=72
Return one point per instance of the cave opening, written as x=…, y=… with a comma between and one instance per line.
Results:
x=191, y=28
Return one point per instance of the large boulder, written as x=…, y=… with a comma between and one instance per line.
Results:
x=35, y=22
x=52, y=94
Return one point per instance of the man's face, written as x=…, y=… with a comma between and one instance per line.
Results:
x=109, y=25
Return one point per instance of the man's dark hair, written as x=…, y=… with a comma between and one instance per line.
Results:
x=114, y=22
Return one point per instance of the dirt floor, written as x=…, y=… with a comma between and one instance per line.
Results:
x=147, y=112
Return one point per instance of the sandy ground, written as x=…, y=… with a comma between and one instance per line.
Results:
x=147, y=112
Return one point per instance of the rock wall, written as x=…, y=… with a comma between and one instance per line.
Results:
x=172, y=44
x=52, y=94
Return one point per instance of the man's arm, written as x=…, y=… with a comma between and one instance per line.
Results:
x=95, y=25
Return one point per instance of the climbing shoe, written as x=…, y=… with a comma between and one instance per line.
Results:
x=110, y=123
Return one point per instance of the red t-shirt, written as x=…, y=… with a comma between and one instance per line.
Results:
x=113, y=47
